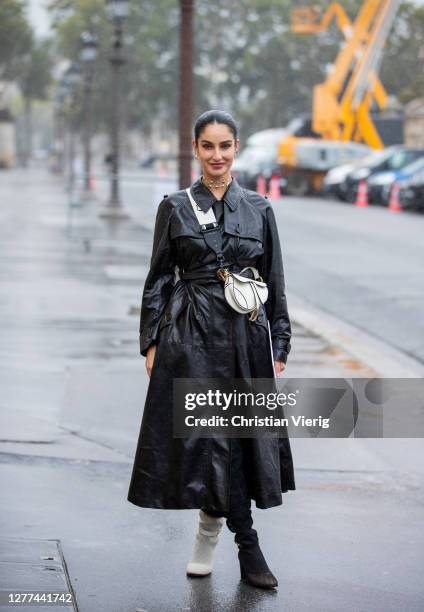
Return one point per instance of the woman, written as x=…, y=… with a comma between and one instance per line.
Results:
x=188, y=330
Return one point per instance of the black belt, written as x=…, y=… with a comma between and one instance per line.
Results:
x=206, y=275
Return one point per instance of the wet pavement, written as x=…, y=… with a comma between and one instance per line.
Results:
x=73, y=386
x=36, y=566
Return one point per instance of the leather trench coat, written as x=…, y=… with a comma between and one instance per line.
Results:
x=197, y=334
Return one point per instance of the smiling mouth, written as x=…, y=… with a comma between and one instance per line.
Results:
x=217, y=165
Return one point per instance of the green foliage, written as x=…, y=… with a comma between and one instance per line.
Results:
x=15, y=37
x=246, y=59
x=34, y=71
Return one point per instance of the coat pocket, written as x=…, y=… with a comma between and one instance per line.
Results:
x=249, y=247
x=173, y=320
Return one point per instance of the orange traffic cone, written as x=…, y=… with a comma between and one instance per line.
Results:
x=260, y=185
x=362, y=197
x=274, y=188
x=394, y=204
x=162, y=169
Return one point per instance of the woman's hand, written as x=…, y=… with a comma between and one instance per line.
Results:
x=279, y=366
x=150, y=357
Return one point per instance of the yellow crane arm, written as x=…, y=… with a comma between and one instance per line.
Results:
x=342, y=103
x=308, y=19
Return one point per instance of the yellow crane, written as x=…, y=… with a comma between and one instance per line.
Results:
x=342, y=103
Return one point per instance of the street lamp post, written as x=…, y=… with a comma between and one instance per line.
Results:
x=59, y=131
x=88, y=55
x=185, y=93
x=117, y=12
x=71, y=79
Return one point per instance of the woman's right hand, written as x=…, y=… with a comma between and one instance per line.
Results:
x=150, y=357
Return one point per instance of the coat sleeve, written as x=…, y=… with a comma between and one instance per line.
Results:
x=276, y=304
x=160, y=279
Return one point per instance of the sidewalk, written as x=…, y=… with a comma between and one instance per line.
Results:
x=73, y=387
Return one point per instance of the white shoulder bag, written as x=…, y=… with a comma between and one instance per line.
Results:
x=245, y=295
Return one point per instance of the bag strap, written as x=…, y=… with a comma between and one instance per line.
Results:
x=204, y=218
x=209, y=227
x=255, y=272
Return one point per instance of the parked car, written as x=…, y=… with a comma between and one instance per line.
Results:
x=266, y=138
x=334, y=179
x=380, y=184
x=253, y=162
x=392, y=158
x=411, y=192
x=259, y=157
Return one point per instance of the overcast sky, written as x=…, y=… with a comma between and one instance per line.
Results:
x=39, y=16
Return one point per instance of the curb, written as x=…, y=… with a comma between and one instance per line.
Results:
x=387, y=360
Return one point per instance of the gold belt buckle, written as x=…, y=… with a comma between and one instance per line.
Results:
x=223, y=274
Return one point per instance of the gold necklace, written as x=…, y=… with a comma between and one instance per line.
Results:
x=216, y=183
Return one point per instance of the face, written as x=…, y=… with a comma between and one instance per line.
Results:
x=216, y=148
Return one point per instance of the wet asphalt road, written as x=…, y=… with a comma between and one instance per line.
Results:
x=73, y=387
x=364, y=265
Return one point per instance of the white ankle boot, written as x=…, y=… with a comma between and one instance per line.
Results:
x=206, y=539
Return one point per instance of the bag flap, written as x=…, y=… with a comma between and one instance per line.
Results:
x=244, y=279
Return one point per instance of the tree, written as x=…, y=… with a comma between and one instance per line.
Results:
x=15, y=39
x=246, y=61
x=150, y=49
x=34, y=78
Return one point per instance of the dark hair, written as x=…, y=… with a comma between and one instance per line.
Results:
x=214, y=116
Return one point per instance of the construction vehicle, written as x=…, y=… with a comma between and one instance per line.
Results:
x=341, y=109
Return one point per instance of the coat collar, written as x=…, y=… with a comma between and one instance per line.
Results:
x=205, y=198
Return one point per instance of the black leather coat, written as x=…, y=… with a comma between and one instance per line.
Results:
x=199, y=335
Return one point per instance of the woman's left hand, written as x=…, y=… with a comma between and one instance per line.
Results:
x=279, y=366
